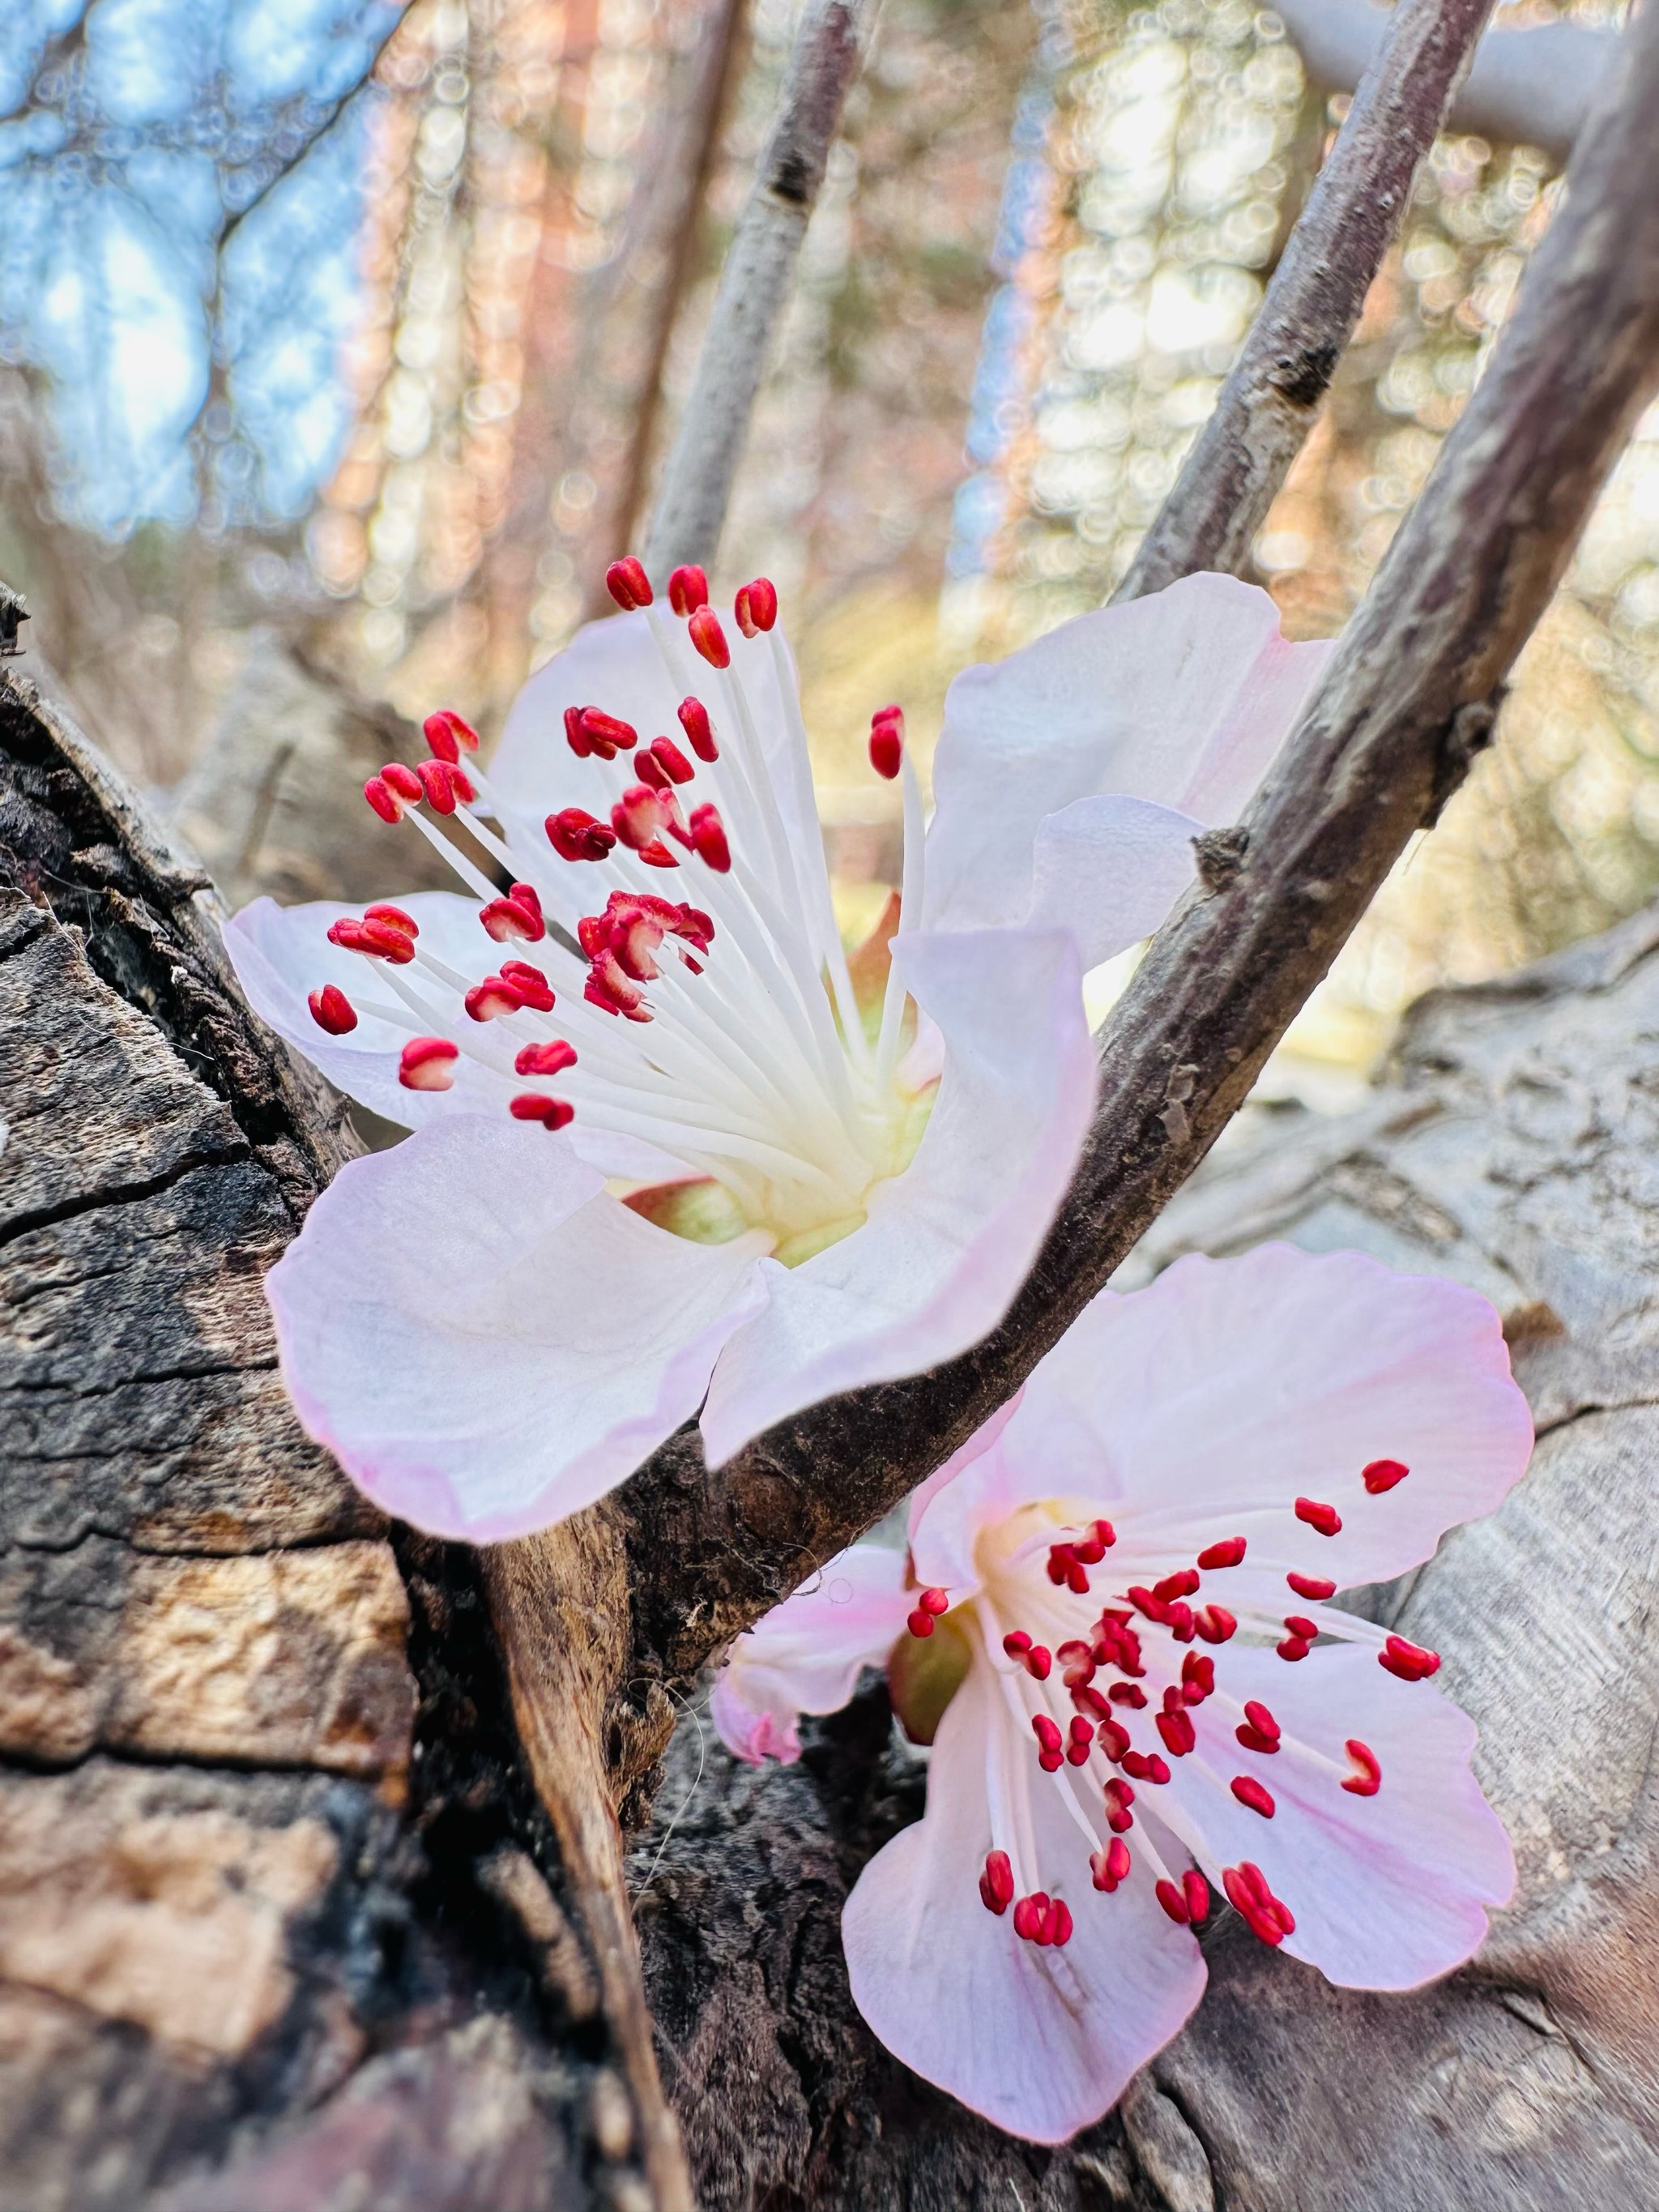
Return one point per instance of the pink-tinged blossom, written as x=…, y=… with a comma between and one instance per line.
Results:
x=848, y=1164
x=1132, y=1583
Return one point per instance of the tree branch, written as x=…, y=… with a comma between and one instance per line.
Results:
x=1409, y=697
x=1243, y=454
x=754, y=284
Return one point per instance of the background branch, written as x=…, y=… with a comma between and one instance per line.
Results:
x=1241, y=456
x=756, y=284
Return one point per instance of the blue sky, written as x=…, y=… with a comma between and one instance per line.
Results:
x=132, y=134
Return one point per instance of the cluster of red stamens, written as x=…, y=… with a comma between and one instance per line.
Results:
x=1100, y=1720
x=620, y=945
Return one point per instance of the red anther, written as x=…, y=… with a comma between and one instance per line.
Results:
x=608, y=734
x=1038, y=1662
x=1170, y=1898
x=656, y=854
x=933, y=1600
x=489, y=1000
x=445, y=785
x=639, y=817
x=694, y=720
x=1382, y=1474
x=533, y=1106
x=1119, y=1796
x=1411, y=1662
x=393, y=917
x=1109, y=1867
x=509, y=921
x=996, y=1884
x=385, y=802
x=1249, y=1896
x=1073, y=1653
x=448, y=735
x=1369, y=1780
x=757, y=606
x=378, y=939
x=1146, y=1766
x=1046, y=1731
x=688, y=590
x=1252, y=1741
x=1090, y=1702
x=1148, y=1602
x=1060, y=1922
x=1178, y=1731
x=919, y=1623
x=1016, y=1643
x=428, y=1063
x=1182, y=1584
x=1311, y=1586
x=1082, y=1731
x=1183, y=1620
x=1104, y=1534
x=672, y=760
x=1324, y=1520
x=1214, y=1623
x=404, y=781
x=1088, y=1554
x=1195, y=1890
x=887, y=742
x=1298, y=1624
x=1060, y=1560
x=628, y=584
x=1227, y=1554
x=708, y=638
x=576, y=835
x=575, y=737
x=1293, y=1647
x=1114, y=1737
x=332, y=1010
x=1197, y=1678
x=651, y=770
x=1127, y=1694
x=1249, y=1791
x=1261, y=1718
x=549, y=1059
x=531, y=986
x=709, y=838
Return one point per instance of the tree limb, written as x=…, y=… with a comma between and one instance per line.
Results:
x=1267, y=408
x=754, y=284
x=1409, y=697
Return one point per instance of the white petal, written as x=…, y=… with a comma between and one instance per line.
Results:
x=950, y=1241
x=484, y=1339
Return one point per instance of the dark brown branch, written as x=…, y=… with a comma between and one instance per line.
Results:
x=756, y=283
x=1409, y=697
x=1268, y=405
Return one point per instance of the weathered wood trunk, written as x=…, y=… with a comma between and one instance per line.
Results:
x=283, y=1926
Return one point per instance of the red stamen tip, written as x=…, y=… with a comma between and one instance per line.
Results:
x=1196, y=1892
x=709, y=838
x=628, y=584
x=672, y=760
x=448, y=735
x=934, y=1601
x=1249, y=1791
x=332, y=1010
x=996, y=1884
x=428, y=1063
x=1382, y=1474
x=1411, y=1662
x=1249, y=1896
x=919, y=1623
x=1311, y=1586
x=756, y=606
x=606, y=735
x=1214, y=1623
x=1227, y=1554
x=404, y=781
x=531, y=986
x=385, y=802
x=1174, y=1903
x=1369, y=1780
x=510, y=920
x=1109, y=1867
x=706, y=634
x=887, y=741
x=551, y=1058
x=492, y=999
x=694, y=720
x=576, y=835
x=688, y=590
x=1324, y=1520
x=551, y=1113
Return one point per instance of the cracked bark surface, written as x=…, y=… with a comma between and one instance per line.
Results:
x=1512, y=1146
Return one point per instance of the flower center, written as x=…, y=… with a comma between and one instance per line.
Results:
x=726, y=1029
x=1108, y=1653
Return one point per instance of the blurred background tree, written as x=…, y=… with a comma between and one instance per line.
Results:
x=342, y=336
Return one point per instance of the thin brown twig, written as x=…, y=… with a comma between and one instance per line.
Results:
x=754, y=284
x=1410, y=696
x=1267, y=408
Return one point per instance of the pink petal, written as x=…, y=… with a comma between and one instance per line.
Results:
x=1041, y=2042
x=484, y=1339
x=806, y=1654
x=1109, y=869
x=1227, y=1388
x=1182, y=698
x=949, y=1242
x=1388, y=1891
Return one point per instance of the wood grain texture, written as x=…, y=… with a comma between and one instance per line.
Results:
x=1513, y=1146
x=281, y=1922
